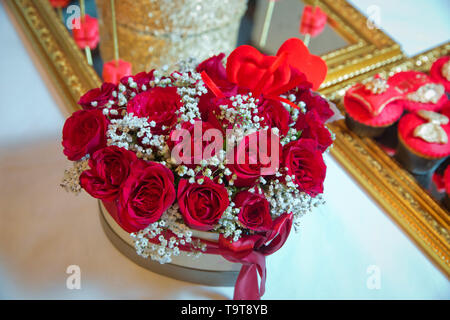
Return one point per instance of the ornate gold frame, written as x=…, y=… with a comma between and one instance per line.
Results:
x=65, y=65
x=412, y=208
x=369, y=48
x=371, y=51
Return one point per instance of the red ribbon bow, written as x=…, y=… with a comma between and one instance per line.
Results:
x=250, y=251
x=254, y=260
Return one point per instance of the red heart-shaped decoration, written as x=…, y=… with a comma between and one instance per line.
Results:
x=87, y=35
x=298, y=57
x=313, y=21
x=247, y=67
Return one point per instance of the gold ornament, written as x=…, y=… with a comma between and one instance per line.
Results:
x=376, y=85
x=430, y=92
x=432, y=131
x=153, y=33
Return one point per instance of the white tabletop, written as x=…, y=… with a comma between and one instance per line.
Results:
x=341, y=251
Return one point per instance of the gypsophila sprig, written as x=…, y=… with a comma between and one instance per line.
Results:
x=71, y=180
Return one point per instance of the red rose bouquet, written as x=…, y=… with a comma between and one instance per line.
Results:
x=233, y=149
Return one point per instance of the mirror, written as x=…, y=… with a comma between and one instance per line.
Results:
x=404, y=196
x=334, y=43
x=418, y=91
x=285, y=24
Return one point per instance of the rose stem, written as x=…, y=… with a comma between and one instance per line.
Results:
x=87, y=49
x=116, y=45
x=267, y=19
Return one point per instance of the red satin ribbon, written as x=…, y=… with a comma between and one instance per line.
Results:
x=272, y=95
x=278, y=98
x=211, y=85
x=247, y=286
x=275, y=65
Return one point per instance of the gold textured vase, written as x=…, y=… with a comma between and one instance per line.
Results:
x=153, y=33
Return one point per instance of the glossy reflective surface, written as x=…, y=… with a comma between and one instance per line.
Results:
x=284, y=24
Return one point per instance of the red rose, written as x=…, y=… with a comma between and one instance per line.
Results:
x=256, y=155
x=98, y=96
x=209, y=109
x=304, y=161
x=158, y=104
x=146, y=194
x=110, y=167
x=202, y=205
x=315, y=102
x=191, y=154
x=312, y=128
x=142, y=78
x=84, y=132
x=209, y=104
x=275, y=115
x=255, y=210
x=213, y=67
